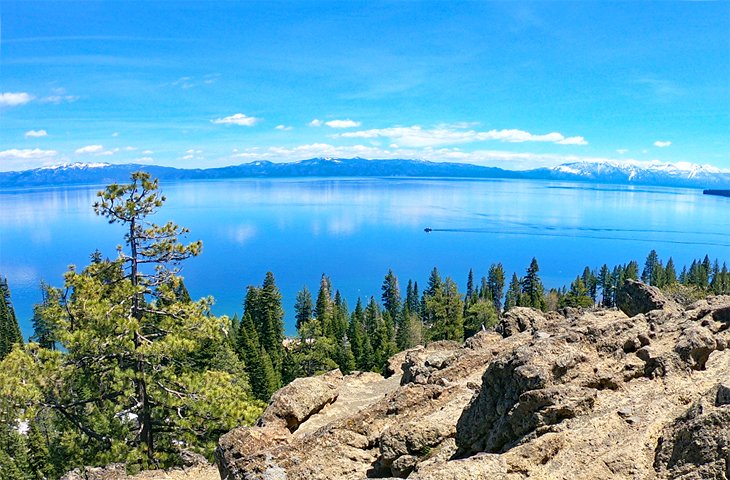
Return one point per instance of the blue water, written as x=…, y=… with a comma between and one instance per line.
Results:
x=355, y=229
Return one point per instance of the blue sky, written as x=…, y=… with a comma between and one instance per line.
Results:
x=508, y=84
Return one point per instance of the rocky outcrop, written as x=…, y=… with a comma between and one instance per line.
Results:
x=635, y=297
x=592, y=394
x=296, y=402
x=696, y=445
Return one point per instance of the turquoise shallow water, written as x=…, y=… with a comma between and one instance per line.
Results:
x=355, y=229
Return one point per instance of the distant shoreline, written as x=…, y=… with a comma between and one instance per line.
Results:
x=720, y=193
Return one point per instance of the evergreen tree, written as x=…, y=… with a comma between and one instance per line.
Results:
x=495, y=280
x=356, y=334
x=410, y=333
x=9, y=328
x=590, y=281
x=577, y=296
x=391, y=295
x=39, y=460
x=135, y=374
x=514, y=292
x=434, y=290
x=605, y=281
x=532, y=290
x=480, y=315
x=272, y=323
x=631, y=271
x=445, y=311
x=670, y=272
x=323, y=308
x=470, y=292
x=257, y=361
x=648, y=275
x=303, y=307
x=43, y=333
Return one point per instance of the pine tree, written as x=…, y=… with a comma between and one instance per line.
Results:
x=434, y=290
x=272, y=319
x=577, y=296
x=514, y=292
x=39, y=464
x=391, y=295
x=480, y=315
x=356, y=334
x=605, y=281
x=257, y=361
x=532, y=290
x=670, y=272
x=9, y=328
x=648, y=275
x=323, y=308
x=445, y=312
x=303, y=307
x=590, y=281
x=411, y=332
x=135, y=374
x=495, y=280
x=470, y=292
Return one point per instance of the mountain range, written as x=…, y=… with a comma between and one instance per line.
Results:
x=667, y=174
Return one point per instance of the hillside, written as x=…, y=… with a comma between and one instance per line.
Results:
x=638, y=393
x=672, y=175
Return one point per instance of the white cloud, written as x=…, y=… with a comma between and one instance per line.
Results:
x=147, y=152
x=130, y=149
x=237, y=119
x=115, y=134
x=622, y=151
x=496, y=158
x=21, y=159
x=416, y=136
x=56, y=99
x=36, y=134
x=27, y=153
x=342, y=123
x=283, y=127
x=315, y=123
x=14, y=99
x=662, y=144
x=96, y=149
x=144, y=160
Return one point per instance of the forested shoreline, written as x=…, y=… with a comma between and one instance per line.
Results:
x=124, y=366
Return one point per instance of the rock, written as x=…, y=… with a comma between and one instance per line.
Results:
x=520, y=319
x=296, y=402
x=695, y=345
x=636, y=297
x=520, y=394
x=583, y=395
x=420, y=363
x=697, y=444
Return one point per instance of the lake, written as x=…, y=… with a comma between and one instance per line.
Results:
x=354, y=230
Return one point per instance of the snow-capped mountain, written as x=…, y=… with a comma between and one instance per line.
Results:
x=645, y=173
x=640, y=173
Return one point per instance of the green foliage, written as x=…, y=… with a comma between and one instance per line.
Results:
x=577, y=296
x=444, y=309
x=391, y=295
x=303, y=307
x=9, y=328
x=514, y=292
x=532, y=290
x=495, y=282
x=480, y=315
x=141, y=369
